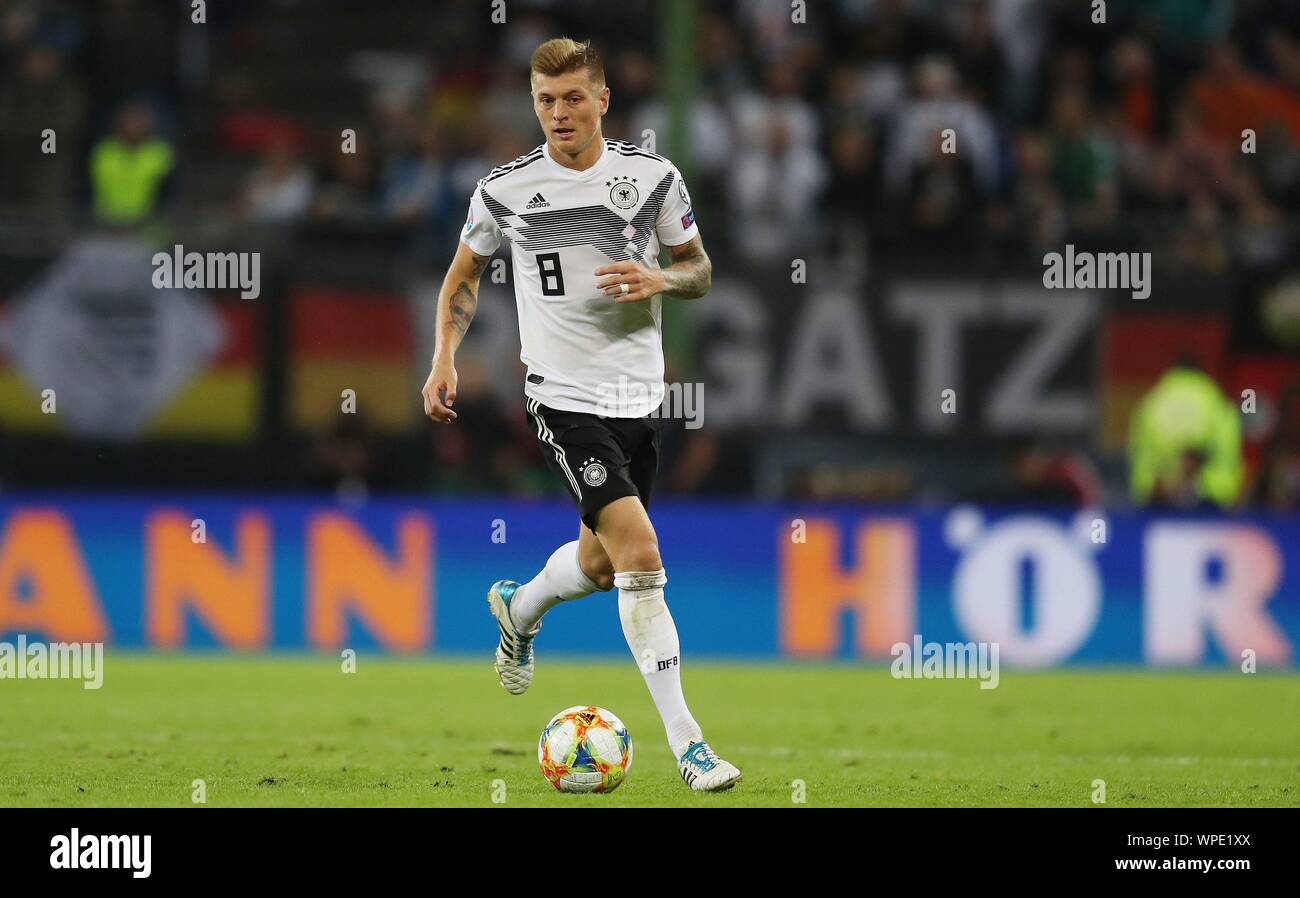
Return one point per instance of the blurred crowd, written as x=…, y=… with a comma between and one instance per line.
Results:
x=1172, y=127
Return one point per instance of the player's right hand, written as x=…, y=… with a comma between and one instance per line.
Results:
x=441, y=378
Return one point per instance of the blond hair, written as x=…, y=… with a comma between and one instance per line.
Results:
x=561, y=55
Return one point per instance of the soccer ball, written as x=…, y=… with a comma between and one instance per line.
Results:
x=585, y=749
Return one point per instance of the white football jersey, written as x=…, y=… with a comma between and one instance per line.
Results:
x=585, y=352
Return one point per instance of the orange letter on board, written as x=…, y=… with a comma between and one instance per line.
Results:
x=880, y=588
x=39, y=549
x=228, y=594
x=348, y=572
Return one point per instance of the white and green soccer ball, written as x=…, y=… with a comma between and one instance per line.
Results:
x=585, y=749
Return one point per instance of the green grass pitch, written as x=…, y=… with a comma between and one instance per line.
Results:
x=296, y=730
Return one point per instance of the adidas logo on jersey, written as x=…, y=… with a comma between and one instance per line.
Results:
x=537, y=202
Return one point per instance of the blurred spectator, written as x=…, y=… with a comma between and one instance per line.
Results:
x=1232, y=98
x=348, y=462
x=1158, y=189
x=491, y=448
x=131, y=52
x=347, y=196
x=723, y=70
x=1032, y=214
x=476, y=159
x=711, y=140
x=1133, y=84
x=1261, y=236
x=1202, y=245
x=779, y=104
x=901, y=30
x=507, y=105
x=1021, y=29
x=775, y=186
x=1183, y=24
x=413, y=183
x=1277, y=485
x=1277, y=164
x=41, y=96
x=1204, y=166
x=942, y=199
x=978, y=55
x=1185, y=442
x=129, y=168
x=1082, y=161
x=853, y=192
x=279, y=190
x=935, y=107
x=1062, y=477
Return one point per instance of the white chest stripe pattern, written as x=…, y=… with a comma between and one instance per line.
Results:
x=597, y=226
x=580, y=345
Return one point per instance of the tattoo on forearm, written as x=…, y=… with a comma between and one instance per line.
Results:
x=689, y=277
x=464, y=303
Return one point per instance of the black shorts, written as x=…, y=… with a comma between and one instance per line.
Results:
x=599, y=459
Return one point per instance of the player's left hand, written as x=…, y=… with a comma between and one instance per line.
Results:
x=642, y=282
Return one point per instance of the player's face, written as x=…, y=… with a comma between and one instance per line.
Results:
x=569, y=108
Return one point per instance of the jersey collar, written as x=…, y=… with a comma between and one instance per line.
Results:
x=586, y=173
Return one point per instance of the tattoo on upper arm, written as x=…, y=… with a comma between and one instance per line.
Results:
x=691, y=249
x=478, y=264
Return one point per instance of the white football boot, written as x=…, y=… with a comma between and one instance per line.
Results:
x=706, y=772
x=514, y=662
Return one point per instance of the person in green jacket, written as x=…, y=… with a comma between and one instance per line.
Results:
x=1185, y=442
x=128, y=169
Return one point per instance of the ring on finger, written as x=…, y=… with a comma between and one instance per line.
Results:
x=623, y=289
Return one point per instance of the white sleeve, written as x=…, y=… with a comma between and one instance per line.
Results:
x=676, y=223
x=480, y=233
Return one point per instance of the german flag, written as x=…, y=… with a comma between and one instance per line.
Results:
x=350, y=339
